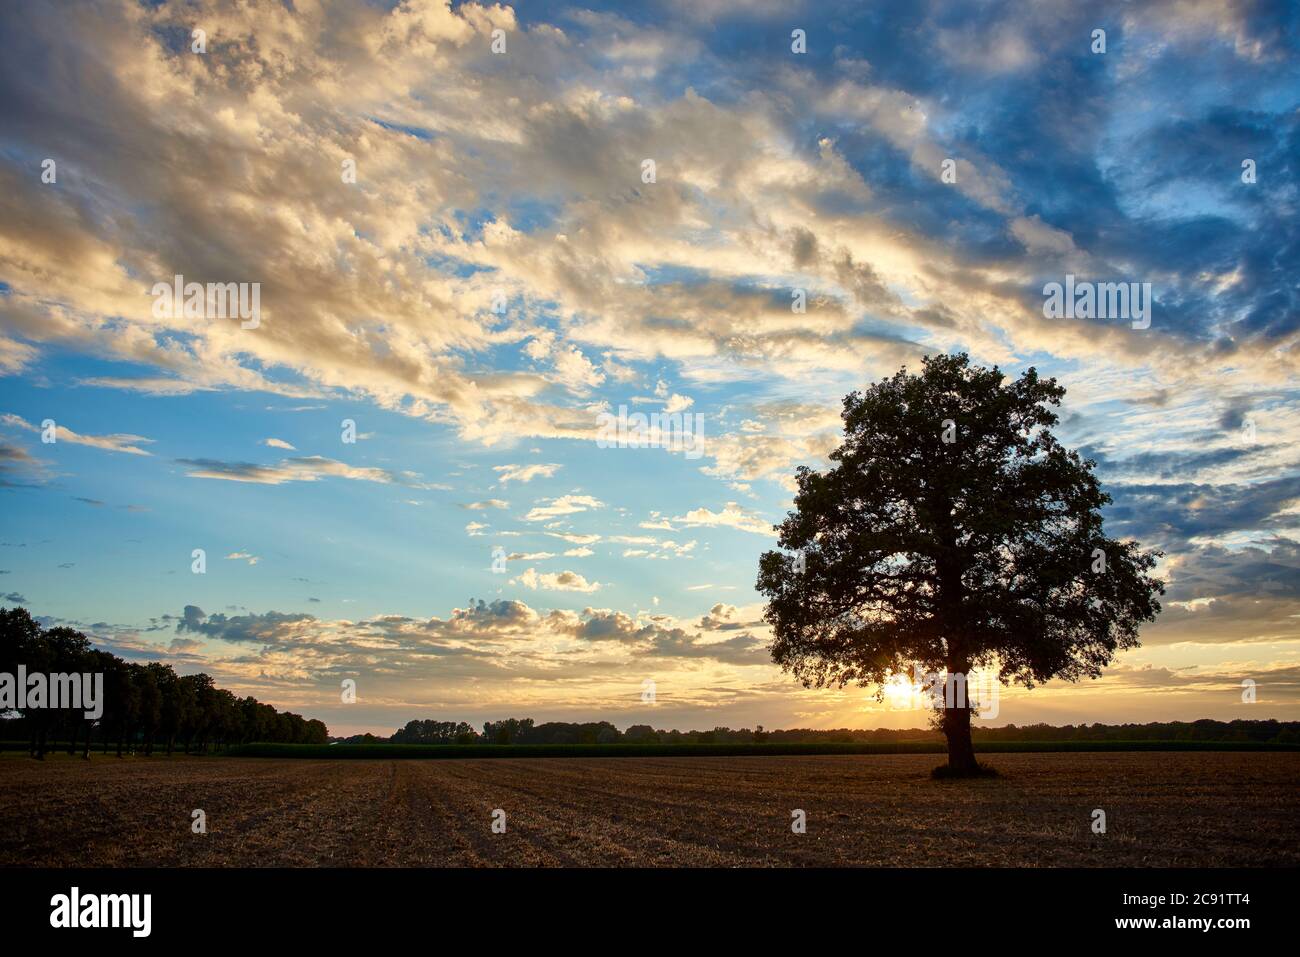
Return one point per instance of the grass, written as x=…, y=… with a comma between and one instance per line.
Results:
x=444, y=751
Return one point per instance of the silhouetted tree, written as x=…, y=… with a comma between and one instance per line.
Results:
x=66, y=652
x=121, y=699
x=22, y=642
x=174, y=709
x=953, y=532
x=198, y=694
x=145, y=678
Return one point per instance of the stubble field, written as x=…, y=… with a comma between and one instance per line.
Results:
x=1162, y=809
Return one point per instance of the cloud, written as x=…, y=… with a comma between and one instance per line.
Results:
x=575, y=371
x=731, y=516
x=561, y=581
x=491, y=641
x=740, y=650
x=306, y=469
x=269, y=628
x=1038, y=237
x=647, y=546
x=576, y=539
x=279, y=444
x=695, y=272
x=773, y=439
x=564, y=505
x=19, y=469
x=245, y=556
x=109, y=443
x=147, y=385
x=724, y=617
x=525, y=473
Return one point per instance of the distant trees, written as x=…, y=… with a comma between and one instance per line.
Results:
x=509, y=731
x=144, y=704
x=563, y=732
x=367, y=738
x=435, y=732
x=1268, y=731
x=513, y=731
x=523, y=731
x=641, y=734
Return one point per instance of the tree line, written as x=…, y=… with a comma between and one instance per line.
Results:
x=507, y=731
x=145, y=705
x=525, y=731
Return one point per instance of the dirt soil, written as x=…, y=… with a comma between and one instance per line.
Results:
x=1162, y=809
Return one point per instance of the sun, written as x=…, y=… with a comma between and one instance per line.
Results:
x=901, y=693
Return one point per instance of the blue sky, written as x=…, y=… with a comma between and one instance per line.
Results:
x=500, y=273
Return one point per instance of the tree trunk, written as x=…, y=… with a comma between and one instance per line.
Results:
x=956, y=728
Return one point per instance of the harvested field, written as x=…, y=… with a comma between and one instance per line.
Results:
x=1162, y=809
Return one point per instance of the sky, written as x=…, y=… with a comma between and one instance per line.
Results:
x=460, y=250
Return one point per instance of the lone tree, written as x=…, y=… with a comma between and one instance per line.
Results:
x=953, y=533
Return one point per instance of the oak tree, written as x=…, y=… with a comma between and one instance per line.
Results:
x=953, y=533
